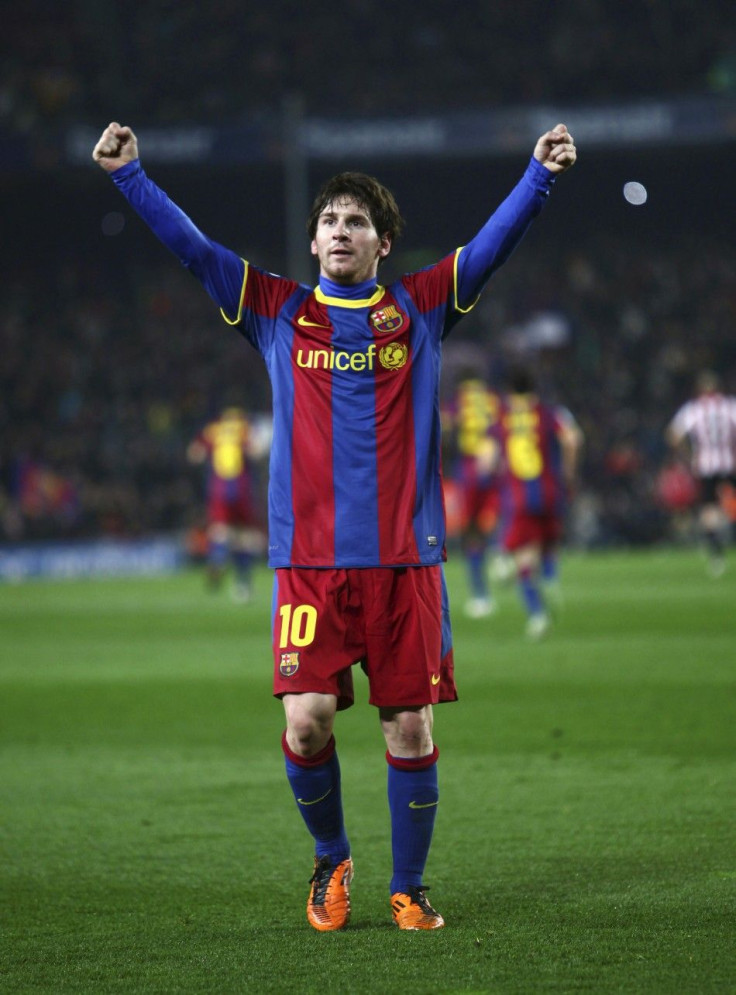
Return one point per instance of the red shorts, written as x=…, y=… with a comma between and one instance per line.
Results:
x=236, y=512
x=481, y=503
x=532, y=530
x=394, y=621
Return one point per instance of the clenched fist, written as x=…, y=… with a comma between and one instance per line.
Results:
x=116, y=147
x=556, y=150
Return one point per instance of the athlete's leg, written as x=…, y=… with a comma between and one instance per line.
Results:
x=313, y=771
x=413, y=796
x=528, y=559
x=474, y=542
x=714, y=526
x=413, y=792
x=243, y=550
x=475, y=549
x=549, y=567
x=218, y=552
x=550, y=575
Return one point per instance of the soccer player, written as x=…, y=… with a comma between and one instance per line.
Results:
x=706, y=425
x=470, y=420
x=233, y=527
x=356, y=519
x=540, y=448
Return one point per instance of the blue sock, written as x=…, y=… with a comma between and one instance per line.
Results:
x=243, y=563
x=217, y=554
x=315, y=782
x=530, y=593
x=478, y=583
x=549, y=568
x=714, y=542
x=413, y=795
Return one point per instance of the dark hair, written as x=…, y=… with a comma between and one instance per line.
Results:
x=520, y=380
x=708, y=382
x=368, y=193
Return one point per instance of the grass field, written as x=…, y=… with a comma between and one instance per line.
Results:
x=586, y=840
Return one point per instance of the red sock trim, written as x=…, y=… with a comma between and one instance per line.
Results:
x=413, y=763
x=314, y=761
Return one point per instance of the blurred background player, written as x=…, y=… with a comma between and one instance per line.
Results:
x=468, y=424
x=540, y=447
x=234, y=531
x=706, y=427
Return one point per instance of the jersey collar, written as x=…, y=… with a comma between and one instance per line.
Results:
x=363, y=294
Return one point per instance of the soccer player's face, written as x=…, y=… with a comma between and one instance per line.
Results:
x=347, y=244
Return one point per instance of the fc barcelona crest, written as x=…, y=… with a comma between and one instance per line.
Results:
x=387, y=319
x=289, y=664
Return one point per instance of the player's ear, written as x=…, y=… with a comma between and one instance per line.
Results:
x=313, y=247
x=384, y=246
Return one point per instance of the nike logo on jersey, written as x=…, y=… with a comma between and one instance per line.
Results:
x=423, y=804
x=305, y=323
x=303, y=801
x=435, y=678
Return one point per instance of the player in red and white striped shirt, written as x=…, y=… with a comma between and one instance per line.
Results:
x=707, y=426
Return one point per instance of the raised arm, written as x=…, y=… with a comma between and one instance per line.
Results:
x=571, y=446
x=219, y=269
x=554, y=153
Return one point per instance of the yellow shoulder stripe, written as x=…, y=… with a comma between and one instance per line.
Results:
x=462, y=310
x=236, y=319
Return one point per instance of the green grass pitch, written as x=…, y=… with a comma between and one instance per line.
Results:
x=585, y=842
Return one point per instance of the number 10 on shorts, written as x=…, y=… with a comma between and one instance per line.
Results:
x=298, y=625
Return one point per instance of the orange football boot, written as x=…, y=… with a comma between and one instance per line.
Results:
x=412, y=910
x=328, y=906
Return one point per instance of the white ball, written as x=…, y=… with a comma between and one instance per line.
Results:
x=635, y=193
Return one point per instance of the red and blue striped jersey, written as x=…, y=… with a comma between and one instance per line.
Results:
x=469, y=421
x=355, y=475
x=226, y=442
x=532, y=479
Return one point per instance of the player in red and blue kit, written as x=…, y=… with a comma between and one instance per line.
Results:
x=356, y=517
x=539, y=446
x=225, y=445
x=468, y=421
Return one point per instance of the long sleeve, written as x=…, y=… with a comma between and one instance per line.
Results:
x=496, y=240
x=219, y=269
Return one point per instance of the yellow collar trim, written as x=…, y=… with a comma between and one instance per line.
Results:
x=346, y=302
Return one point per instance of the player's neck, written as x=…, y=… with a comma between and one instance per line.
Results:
x=352, y=291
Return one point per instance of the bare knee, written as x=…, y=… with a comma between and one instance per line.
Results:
x=408, y=731
x=711, y=517
x=527, y=558
x=309, y=721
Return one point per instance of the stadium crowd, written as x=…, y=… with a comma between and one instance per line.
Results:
x=110, y=366
x=187, y=62
x=107, y=376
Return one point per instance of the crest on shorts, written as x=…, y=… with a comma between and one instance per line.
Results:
x=387, y=319
x=289, y=664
